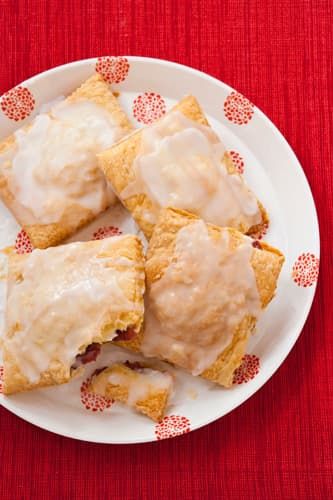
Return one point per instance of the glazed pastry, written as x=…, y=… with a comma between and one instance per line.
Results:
x=180, y=162
x=49, y=178
x=64, y=302
x=143, y=388
x=206, y=288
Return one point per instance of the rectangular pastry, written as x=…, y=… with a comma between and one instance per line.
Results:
x=145, y=389
x=49, y=178
x=64, y=302
x=206, y=288
x=180, y=162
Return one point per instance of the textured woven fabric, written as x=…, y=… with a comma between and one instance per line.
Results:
x=278, y=53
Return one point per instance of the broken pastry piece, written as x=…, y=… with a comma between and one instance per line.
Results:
x=49, y=178
x=143, y=388
x=63, y=303
x=179, y=161
x=206, y=288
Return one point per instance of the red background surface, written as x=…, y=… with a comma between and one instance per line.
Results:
x=278, y=53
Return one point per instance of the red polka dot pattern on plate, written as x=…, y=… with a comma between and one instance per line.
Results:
x=306, y=269
x=171, y=426
x=18, y=103
x=23, y=243
x=113, y=69
x=238, y=109
x=248, y=369
x=148, y=107
x=106, y=232
x=1, y=379
x=91, y=401
x=237, y=160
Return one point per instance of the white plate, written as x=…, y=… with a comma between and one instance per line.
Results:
x=271, y=169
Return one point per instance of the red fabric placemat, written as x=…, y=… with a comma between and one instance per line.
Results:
x=278, y=53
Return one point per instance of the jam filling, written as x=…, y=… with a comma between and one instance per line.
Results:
x=134, y=365
x=98, y=371
x=128, y=334
x=256, y=244
x=89, y=355
x=94, y=349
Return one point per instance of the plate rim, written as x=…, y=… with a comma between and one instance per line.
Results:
x=316, y=246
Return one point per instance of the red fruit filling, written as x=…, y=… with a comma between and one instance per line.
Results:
x=128, y=334
x=89, y=355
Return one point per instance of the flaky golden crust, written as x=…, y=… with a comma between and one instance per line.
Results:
x=152, y=404
x=95, y=89
x=117, y=164
x=190, y=107
x=129, y=247
x=266, y=262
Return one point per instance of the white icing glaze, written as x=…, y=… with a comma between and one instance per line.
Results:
x=180, y=165
x=142, y=384
x=46, y=107
x=63, y=300
x=205, y=292
x=53, y=162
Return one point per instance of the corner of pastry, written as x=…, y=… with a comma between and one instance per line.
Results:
x=136, y=385
x=179, y=161
x=99, y=91
x=49, y=177
x=64, y=302
x=206, y=288
x=190, y=107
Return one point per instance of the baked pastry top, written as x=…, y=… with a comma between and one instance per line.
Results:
x=63, y=302
x=139, y=386
x=206, y=288
x=179, y=161
x=49, y=177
